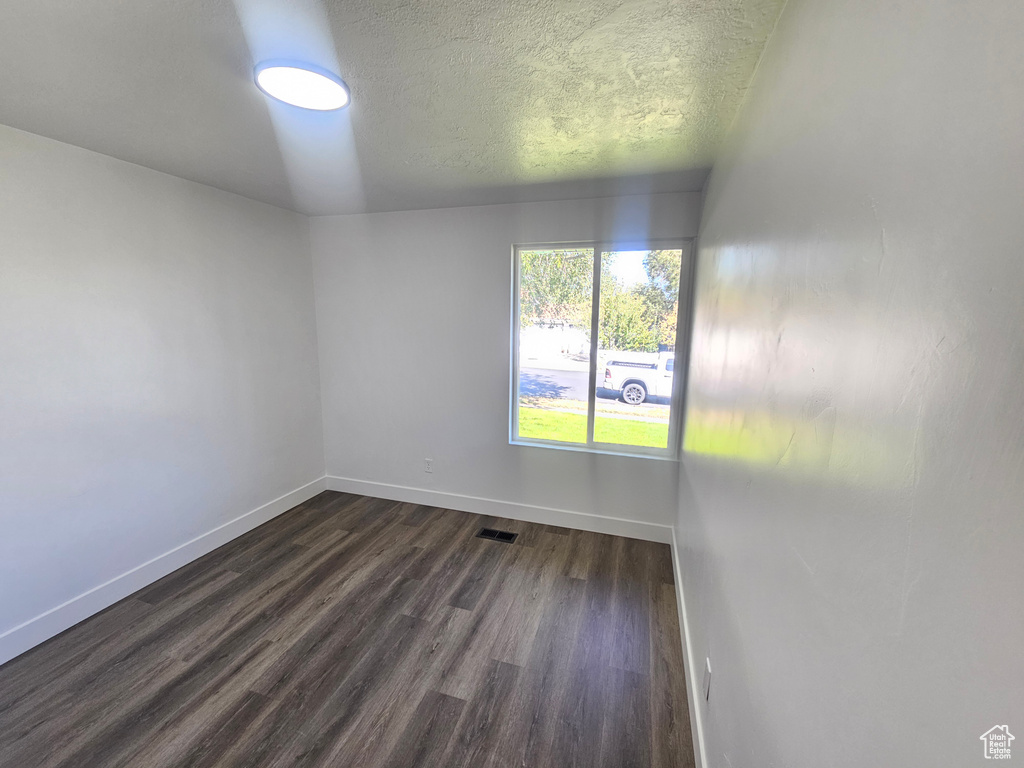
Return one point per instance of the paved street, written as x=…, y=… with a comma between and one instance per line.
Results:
x=546, y=382
x=570, y=385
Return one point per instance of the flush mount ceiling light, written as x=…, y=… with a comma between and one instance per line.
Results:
x=302, y=85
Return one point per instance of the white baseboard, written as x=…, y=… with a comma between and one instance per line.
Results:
x=693, y=696
x=583, y=521
x=21, y=638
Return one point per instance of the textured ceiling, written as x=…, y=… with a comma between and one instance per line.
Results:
x=454, y=101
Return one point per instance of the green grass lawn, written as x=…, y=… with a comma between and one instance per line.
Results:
x=572, y=428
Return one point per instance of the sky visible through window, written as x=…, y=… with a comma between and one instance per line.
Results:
x=628, y=267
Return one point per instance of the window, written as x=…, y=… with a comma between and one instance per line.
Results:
x=596, y=330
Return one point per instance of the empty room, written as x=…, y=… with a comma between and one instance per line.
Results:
x=610, y=384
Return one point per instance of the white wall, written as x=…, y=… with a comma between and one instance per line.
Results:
x=850, y=518
x=158, y=372
x=413, y=313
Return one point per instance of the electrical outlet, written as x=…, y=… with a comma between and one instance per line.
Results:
x=428, y=465
x=707, y=679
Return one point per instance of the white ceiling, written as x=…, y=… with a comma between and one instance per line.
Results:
x=454, y=101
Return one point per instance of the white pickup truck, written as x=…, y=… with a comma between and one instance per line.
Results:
x=637, y=378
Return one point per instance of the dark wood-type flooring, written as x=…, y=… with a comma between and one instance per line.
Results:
x=353, y=631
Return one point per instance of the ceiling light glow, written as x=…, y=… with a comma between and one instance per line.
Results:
x=302, y=85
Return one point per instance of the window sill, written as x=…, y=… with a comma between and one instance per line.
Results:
x=622, y=451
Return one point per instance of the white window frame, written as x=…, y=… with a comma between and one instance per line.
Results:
x=681, y=354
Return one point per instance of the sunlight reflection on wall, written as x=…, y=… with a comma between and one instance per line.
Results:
x=791, y=379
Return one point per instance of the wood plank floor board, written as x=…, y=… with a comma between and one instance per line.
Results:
x=223, y=732
x=670, y=716
x=442, y=579
x=174, y=735
x=580, y=721
x=63, y=656
x=390, y=709
x=517, y=603
x=631, y=606
x=330, y=725
x=470, y=658
x=479, y=730
x=94, y=677
x=420, y=514
x=125, y=728
x=426, y=738
x=350, y=623
x=626, y=741
x=361, y=631
x=479, y=575
x=322, y=539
